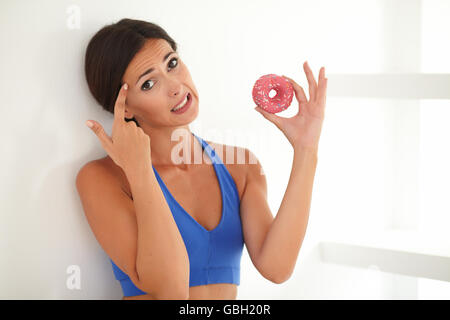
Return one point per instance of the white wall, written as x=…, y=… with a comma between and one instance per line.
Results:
x=227, y=45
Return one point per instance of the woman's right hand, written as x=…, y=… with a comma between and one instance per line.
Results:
x=129, y=145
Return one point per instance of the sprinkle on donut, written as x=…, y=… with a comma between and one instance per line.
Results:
x=284, y=93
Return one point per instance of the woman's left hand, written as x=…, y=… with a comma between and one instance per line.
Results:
x=303, y=129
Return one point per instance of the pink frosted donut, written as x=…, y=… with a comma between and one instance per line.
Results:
x=283, y=98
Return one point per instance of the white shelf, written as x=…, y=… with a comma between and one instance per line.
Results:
x=390, y=85
x=403, y=252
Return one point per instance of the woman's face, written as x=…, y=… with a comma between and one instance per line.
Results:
x=151, y=97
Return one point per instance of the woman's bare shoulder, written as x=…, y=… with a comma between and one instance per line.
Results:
x=106, y=164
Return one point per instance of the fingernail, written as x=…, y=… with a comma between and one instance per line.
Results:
x=89, y=124
x=125, y=86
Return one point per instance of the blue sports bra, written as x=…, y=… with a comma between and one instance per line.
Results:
x=215, y=255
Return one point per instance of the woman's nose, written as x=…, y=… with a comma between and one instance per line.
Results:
x=174, y=87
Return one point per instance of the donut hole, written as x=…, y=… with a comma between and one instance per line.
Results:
x=272, y=93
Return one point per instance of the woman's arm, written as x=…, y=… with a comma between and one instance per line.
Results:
x=161, y=253
x=281, y=244
x=284, y=238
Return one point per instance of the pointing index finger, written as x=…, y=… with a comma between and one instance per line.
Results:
x=119, y=107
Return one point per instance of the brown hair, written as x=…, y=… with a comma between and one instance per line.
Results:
x=110, y=51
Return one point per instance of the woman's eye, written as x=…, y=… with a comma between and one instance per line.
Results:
x=145, y=87
x=174, y=59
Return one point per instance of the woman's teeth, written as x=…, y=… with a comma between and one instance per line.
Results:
x=181, y=105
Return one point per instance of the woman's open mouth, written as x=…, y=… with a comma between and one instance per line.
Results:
x=182, y=107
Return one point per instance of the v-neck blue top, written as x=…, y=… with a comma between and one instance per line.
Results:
x=214, y=255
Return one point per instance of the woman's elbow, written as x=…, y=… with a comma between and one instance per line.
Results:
x=178, y=291
x=172, y=295
x=278, y=277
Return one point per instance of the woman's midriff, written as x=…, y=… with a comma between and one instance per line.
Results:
x=219, y=291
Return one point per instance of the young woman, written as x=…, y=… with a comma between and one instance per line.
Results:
x=176, y=230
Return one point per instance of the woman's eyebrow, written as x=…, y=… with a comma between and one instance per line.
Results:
x=152, y=69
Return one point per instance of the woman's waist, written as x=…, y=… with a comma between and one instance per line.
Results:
x=214, y=291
